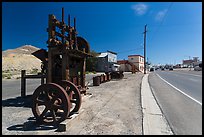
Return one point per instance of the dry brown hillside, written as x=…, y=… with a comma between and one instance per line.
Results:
x=15, y=60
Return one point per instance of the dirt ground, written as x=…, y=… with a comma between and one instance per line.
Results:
x=113, y=108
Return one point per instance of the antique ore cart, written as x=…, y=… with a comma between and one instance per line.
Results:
x=64, y=66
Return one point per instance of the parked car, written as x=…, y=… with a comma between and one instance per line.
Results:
x=170, y=68
x=197, y=68
x=162, y=68
x=151, y=69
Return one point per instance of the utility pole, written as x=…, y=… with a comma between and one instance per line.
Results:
x=145, y=48
x=190, y=63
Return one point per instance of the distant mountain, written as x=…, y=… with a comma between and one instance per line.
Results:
x=15, y=60
x=26, y=49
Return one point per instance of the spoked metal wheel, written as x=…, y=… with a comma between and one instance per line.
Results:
x=48, y=98
x=74, y=95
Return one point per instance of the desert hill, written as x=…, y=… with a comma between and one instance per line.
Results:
x=15, y=60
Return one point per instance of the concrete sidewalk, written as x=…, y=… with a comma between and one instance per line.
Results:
x=154, y=122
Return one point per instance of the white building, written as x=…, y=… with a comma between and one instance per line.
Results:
x=138, y=61
x=107, y=62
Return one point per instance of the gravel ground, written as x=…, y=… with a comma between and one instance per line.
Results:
x=113, y=108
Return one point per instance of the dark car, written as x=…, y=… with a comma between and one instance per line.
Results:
x=162, y=68
x=151, y=69
x=170, y=68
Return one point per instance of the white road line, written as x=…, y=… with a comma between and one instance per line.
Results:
x=180, y=91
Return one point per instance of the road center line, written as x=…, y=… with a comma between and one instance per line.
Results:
x=180, y=90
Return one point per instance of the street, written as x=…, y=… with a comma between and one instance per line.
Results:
x=179, y=94
x=12, y=87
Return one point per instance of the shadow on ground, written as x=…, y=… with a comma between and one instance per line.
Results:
x=31, y=125
x=18, y=102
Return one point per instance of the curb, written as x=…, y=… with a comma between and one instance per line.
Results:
x=154, y=122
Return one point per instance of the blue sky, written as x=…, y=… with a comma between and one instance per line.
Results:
x=174, y=29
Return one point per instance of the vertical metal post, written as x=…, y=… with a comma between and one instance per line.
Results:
x=51, y=36
x=63, y=15
x=145, y=49
x=69, y=32
x=74, y=23
x=42, y=80
x=75, y=35
x=69, y=21
x=23, y=83
x=63, y=27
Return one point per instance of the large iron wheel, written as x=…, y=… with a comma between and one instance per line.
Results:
x=83, y=44
x=74, y=95
x=46, y=99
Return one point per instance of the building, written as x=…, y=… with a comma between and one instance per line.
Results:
x=191, y=62
x=127, y=66
x=107, y=61
x=138, y=61
x=134, y=63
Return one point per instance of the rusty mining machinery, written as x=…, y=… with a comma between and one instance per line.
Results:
x=64, y=66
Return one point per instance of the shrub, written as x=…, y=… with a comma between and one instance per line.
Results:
x=34, y=71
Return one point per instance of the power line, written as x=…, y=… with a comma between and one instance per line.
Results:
x=139, y=48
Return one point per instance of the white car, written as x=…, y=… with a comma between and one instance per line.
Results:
x=197, y=68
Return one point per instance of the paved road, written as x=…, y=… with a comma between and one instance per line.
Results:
x=179, y=94
x=12, y=87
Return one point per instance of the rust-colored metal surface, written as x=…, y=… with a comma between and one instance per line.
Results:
x=41, y=54
x=64, y=65
x=96, y=81
x=74, y=80
x=51, y=104
x=102, y=79
x=74, y=95
x=105, y=78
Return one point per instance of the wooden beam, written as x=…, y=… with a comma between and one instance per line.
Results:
x=23, y=83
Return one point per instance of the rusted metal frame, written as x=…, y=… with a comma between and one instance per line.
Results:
x=78, y=53
x=71, y=33
x=61, y=35
x=51, y=45
x=75, y=35
x=70, y=30
x=35, y=76
x=63, y=27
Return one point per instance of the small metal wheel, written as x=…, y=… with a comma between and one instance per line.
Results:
x=74, y=95
x=48, y=98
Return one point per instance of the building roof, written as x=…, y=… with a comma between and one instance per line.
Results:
x=135, y=56
x=103, y=54
x=112, y=52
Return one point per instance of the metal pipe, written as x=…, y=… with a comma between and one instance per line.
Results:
x=69, y=20
x=62, y=15
x=74, y=23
